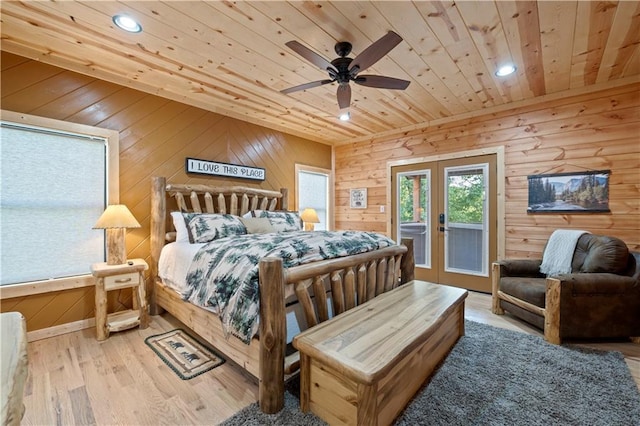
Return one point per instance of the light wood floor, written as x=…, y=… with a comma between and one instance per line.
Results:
x=74, y=379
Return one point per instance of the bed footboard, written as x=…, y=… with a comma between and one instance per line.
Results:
x=353, y=280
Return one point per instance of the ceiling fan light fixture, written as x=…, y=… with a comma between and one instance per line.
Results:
x=343, y=70
x=506, y=70
x=344, y=115
x=127, y=23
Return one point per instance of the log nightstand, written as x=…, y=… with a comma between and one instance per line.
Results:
x=116, y=277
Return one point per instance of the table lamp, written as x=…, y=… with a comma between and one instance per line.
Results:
x=115, y=219
x=309, y=217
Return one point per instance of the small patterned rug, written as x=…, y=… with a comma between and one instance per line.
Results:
x=183, y=354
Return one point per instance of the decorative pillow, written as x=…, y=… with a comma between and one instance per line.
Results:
x=283, y=221
x=182, y=233
x=205, y=227
x=257, y=225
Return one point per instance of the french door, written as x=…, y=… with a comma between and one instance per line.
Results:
x=448, y=207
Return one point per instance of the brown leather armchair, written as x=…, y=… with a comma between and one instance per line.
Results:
x=600, y=299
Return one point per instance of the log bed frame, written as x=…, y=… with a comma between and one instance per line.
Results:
x=352, y=280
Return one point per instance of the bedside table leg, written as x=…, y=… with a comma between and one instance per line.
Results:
x=142, y=304
x=101, y=311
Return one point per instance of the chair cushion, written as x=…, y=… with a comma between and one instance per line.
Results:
x=599, y=253
x=530, y=290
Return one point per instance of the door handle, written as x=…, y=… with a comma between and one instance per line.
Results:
x=441, y=220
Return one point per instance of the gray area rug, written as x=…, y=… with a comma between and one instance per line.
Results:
x=500, y=377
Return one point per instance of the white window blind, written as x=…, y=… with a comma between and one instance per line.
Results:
x=52, y=191
x=313, y=192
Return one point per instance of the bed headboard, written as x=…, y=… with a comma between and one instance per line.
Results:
x=236, y=200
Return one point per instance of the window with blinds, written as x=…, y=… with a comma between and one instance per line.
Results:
x=53, y=188
x=313, y=189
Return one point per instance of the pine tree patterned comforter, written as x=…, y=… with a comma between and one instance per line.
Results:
x=224, y=274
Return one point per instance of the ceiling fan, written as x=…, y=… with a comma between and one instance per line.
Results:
x=344, y=70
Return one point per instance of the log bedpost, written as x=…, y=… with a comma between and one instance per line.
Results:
x=273, y=335
x=408, y=263
x=284, y=201
x=157, y=237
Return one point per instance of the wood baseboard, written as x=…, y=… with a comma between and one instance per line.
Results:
x=57, y=330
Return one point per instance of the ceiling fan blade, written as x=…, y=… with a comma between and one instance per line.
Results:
x=344, y=96
x=310, y=55
x=374, y=53
x=381, y=82
x=306, y=86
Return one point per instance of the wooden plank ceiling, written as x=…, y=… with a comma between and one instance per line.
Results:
x=230, y=57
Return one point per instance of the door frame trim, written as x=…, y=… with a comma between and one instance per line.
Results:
x=500, y=183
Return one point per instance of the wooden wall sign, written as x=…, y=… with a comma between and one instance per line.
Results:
x=205, y=167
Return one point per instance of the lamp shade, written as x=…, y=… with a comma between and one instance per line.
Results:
x=116, y=216
x=309, y=216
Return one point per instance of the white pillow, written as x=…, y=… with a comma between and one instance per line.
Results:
x=182, y=234
x=257, y=225
x=252, y=213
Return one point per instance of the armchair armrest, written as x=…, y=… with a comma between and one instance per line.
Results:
x=528, y=268
x=599, y=283
x=609, y=303
x=520, y=268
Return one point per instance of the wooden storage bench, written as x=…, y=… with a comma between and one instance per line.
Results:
x=363, y=366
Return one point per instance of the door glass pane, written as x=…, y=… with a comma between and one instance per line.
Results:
x=466, y=212
x=414, y=210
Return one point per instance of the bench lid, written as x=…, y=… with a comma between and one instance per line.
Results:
x=365, y=342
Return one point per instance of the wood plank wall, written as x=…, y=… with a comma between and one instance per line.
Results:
x=156, y=135
x=595, y=131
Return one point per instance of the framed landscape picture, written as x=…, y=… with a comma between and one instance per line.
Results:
x=574, y=192
x=358, y=198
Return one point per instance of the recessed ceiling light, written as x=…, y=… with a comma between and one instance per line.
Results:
x=506, y=70
x=344, y=116
x=127, y=23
